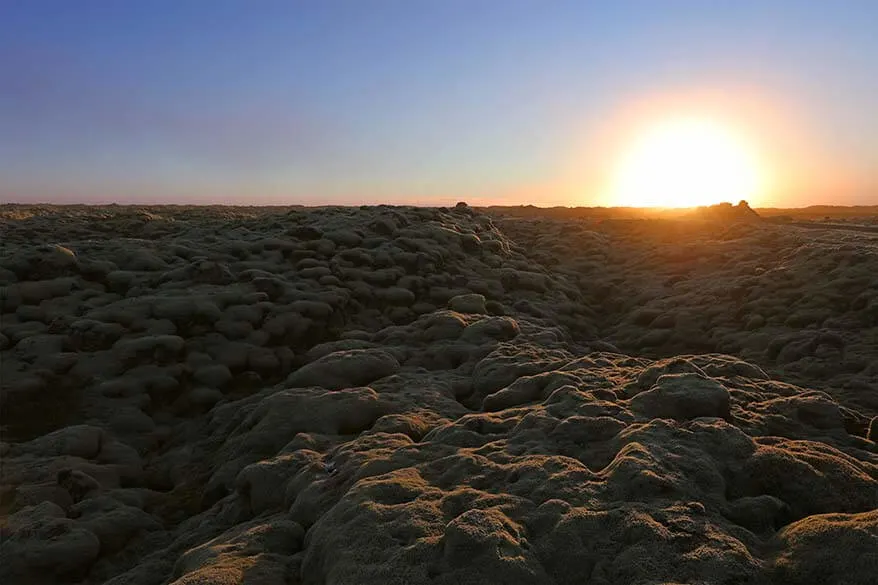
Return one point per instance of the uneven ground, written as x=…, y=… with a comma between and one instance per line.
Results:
x=402, y=395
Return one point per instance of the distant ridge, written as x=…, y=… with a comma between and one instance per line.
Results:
x=820, y=211
x=859, y=213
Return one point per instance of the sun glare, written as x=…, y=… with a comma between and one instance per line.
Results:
x=686, y=162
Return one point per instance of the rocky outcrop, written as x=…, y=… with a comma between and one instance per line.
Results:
x=374, y=395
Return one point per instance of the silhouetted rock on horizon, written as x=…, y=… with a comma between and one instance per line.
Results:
x=726, y=212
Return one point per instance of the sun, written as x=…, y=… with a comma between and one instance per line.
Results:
x=686, y=162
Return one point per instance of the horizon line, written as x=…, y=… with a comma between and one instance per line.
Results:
x=426, y=206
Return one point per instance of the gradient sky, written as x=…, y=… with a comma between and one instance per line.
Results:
x=421, y=101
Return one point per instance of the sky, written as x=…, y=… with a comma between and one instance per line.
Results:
x=425, y=102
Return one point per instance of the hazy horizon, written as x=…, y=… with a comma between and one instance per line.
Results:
x=430, y=103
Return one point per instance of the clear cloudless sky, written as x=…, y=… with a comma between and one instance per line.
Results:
x=422, y=101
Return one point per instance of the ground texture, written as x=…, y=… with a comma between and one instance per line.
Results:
x=342, y=396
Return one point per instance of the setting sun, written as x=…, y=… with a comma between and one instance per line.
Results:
x=686, y=162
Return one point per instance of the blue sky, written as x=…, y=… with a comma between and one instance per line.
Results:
x=264, y=102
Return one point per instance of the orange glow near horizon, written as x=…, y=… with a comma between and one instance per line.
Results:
x=691, y=146
x=686, y=162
